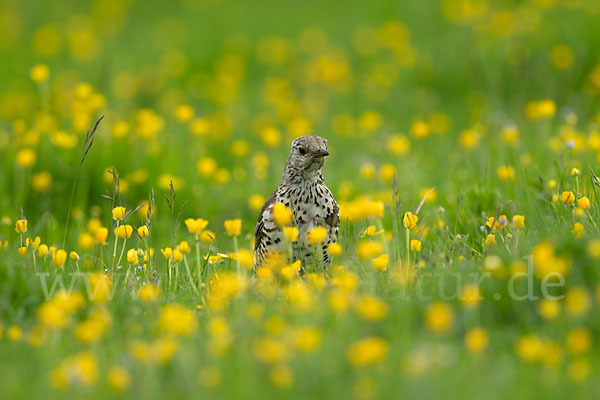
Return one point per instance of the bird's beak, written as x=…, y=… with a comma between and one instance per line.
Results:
x=320, y=153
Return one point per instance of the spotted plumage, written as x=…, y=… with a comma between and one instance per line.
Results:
x=303, y=190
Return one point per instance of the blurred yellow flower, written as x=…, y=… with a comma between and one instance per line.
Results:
x=291, y=233
x=100, y=235
x=367, y=351
x=149, y=292
x=118, y=378
x=518, y=221
x=176, y=319
x=39, y=73
x=233, y=227
x=476, y=340
x=281, y=214
x=415, y=245
x=380, y=263
x=316, y=235
x=439, y=317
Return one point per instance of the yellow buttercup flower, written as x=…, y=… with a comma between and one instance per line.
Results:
x=195, y=226
x=281, y=214
x=118, y=213
x=584, y=203
x=316, y=235
x=367, y=351
x=39, y=73
x=380, y=263
x=125, y=231
x=59, y=258
x=233, y=227
x=410, y=220
x=518, y=221
x=415, y=245
x=291, y=233
x=334, y=249
x=100, y=235
x=132, y=256
x=476, y=340
x=439, y=317
x=21, y=226
x=567, y=197
x=143, y=231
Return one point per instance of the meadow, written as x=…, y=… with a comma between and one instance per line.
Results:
x=139, y=140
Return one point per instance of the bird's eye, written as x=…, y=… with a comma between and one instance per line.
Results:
x=302, y=151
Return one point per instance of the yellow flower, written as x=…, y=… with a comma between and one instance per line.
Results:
x=529, y=348
x=490, y=239
x=470, y=296
x=518, y=221
x=43, y=250
x=41, y=181
x=540, y=109
x=371, y=308
x=469, y=139
x=59, y=258
x=184, y=113
x=143, y=231
x=584, y=203
x=207, y=236
x=567, y=197
x=100, y=235
x=149, y=292
x=334, y=249
x=125, y=231
x=577, y=301
x=118, y=378
x=233, y=227
x=367, y=351
x=387, y=172
x=101, y=286
x=593, y=248
x=578, y=340
x=381, y=263
x=367, y=170
x=74, y=256
x=39, y=73
x=118, y=213
x=439, y=317
x=476, y=340
x=26, y=157
x=506, y=173
x=22, y=251
x=549, y=309
x=410, y=220
x=291, y=233
x=195, y=226
x=579, y=369
x=367, y=249
x=281, y=214
x=415, y=245
x=132, y=256
x=256, y=201
x=177, y=319
x=307, y=339
x=578, y=229
x=419, y=129
x=21, y=226
x=316, y=235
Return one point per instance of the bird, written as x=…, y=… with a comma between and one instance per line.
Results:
x=302, y=189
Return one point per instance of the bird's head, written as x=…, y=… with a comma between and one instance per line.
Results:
x=308, y=154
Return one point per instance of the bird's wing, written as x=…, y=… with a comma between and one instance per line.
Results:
x=259, y=230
